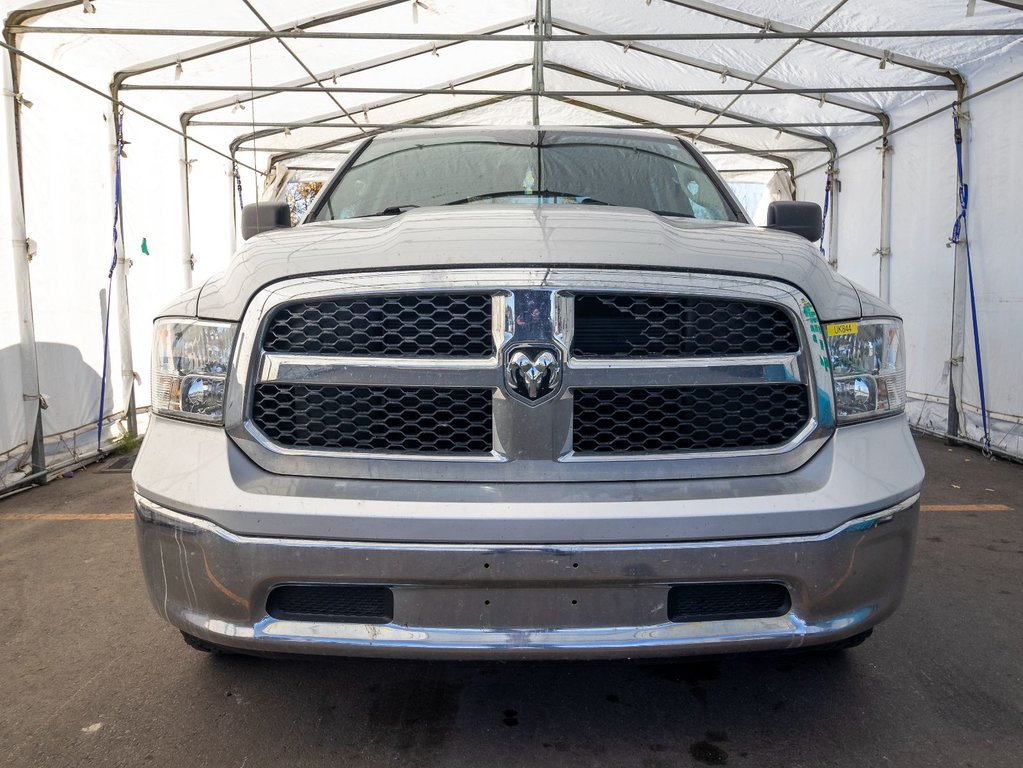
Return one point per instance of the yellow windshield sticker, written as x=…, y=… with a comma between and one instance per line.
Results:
x=842, y=329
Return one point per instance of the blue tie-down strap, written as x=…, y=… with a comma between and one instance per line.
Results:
x=827, y=204
x=960, y=235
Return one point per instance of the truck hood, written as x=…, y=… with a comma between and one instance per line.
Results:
x=470, y=237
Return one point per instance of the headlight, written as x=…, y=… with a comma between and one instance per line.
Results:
x=190, y=363
x=869, y=368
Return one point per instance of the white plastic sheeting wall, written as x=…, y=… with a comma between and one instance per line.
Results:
x=53, y=300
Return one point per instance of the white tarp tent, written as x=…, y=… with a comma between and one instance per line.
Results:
x=853, y=96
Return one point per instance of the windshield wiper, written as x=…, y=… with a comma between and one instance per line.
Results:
x=677, y=214
x=391, y=210
x=586, y=200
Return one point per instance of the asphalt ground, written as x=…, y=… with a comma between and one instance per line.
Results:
x=89, y=675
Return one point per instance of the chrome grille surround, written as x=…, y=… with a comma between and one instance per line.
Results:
x=531, y=442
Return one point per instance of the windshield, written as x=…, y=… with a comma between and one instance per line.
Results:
x=564, y=168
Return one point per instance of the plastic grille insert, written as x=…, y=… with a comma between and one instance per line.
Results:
x=408, y=325
x=375, y=419
x=622, y=325
x=716, y=602
x=682, y=419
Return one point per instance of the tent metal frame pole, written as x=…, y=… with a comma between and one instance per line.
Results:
x=212, y=50
x=739, y=150
x=134, y=110
x=187, y=257
x=798, y=90
x=256, y=35
x=836, y=199
x=304, y=151
x=312, y=150
x=120, y=284
x=884, y=248
x=298, y=60
x=836, y=40
x=696, y=106
x=923, y=118
x=749, y=87
x=956, y=421
x=537, y=72
x=726, y=71
x=315, y=149
x=362, y=66
x=32, y=398
x=251, y=136
x=652, y=124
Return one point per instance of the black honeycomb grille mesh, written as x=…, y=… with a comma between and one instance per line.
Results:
x=362, y=604
x=677, y=419
x=621, y=325
x=431, y=325
x=375, y=419
x=709, y=602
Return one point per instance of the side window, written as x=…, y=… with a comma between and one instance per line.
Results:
x=299, y=194
x=703, y=197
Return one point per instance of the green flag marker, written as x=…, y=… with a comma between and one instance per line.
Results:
x=145, y=247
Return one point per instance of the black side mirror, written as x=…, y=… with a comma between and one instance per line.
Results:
x=797, y=217
x=260, y=217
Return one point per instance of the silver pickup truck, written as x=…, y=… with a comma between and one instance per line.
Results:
x=532, y=393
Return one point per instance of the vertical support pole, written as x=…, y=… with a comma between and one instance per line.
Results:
x=236, y=189
x=120, y=285
x=186, y=213
x=32, y=400
x=836, y=188
x=960, y=287
x=539, y=29
x=884, y=248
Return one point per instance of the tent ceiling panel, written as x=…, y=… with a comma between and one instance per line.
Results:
x=669, y=110
x=387, y=110
x=650, y=72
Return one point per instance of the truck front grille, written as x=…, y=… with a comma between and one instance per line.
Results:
x=625, y=325
x=495, y=375
x=375, y=419
x=677, y=419
x=403, y=325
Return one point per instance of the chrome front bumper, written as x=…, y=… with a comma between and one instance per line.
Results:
x=524, y=601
